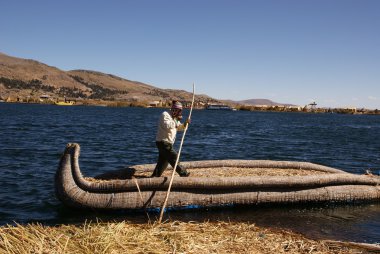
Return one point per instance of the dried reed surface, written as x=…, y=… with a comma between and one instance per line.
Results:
x=229, y=172
x=169, y=237
x=239, y=171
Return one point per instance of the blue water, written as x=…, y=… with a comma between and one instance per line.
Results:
x=32, y=138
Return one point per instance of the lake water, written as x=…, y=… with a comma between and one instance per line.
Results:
x=32, y=138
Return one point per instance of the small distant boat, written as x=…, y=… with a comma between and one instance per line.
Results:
x=218, y=107
x=260, y=182
x=64, y=103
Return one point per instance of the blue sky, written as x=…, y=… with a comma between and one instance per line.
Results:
x=289, y=51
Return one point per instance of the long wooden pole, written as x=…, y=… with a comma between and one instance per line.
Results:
x=177, y=160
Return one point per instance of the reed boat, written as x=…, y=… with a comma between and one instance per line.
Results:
x=211, y=183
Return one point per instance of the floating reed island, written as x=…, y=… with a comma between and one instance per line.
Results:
x=168, y=237
x=211, y=183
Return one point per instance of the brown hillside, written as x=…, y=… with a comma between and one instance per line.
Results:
x=83, y=84
x=26, y=70
x=110, y=81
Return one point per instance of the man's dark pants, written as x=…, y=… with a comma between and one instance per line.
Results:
x=166, y=155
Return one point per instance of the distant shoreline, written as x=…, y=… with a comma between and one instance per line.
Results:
x=351, y=111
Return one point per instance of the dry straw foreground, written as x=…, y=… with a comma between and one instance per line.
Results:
x=173, y=237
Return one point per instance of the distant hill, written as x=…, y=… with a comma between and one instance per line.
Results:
x=255, y=102
x=29, y=78
x=26, y=78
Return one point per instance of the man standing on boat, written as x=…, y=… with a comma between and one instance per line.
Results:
x=168, y=126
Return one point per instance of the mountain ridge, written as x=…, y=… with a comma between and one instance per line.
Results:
x=25, y=78
x=262, y=102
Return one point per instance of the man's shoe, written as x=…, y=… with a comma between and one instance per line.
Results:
x=184, y=174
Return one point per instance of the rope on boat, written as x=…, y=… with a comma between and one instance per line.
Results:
x=141, y=198
x=176, y=162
